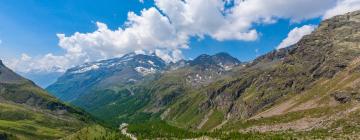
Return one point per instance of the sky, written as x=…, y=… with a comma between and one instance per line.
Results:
x=41, y=39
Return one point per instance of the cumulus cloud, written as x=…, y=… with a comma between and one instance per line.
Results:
x=342, y=7
x=210, y=17
x=295, y=35
x=47, y=63
x=246, y=13
x=150, y=31
x=166, y=28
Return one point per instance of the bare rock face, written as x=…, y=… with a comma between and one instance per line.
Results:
x=347, y=95
x=342, y=96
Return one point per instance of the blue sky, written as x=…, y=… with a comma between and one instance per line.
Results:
x=271, y=37
x=30, y=27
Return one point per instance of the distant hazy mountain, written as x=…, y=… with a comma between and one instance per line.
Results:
x=42, y=79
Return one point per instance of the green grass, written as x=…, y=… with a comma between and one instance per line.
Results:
x=97, y=132
x=185, y=113
x=161, y=130
x=214, y=120
x=26, y=123
x=125, y=109
x=285, y=118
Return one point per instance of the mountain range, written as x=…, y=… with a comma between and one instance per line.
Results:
x=307, y=91
x=302, y=84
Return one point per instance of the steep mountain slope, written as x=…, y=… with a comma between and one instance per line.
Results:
x=310, y=90
x=28, y=112
x=300, y=88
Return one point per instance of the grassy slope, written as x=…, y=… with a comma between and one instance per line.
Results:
x=301, y=82
x=27, y=123
x=326, y=117
x=96, y=132
x=29, y=112
x=324, y=107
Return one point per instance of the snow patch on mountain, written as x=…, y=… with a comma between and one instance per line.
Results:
x=151, y=62
x=86, y=69
x=145, y=71
x=227, y=67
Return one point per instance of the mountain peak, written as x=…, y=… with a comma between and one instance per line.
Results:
x=222, y=59
x=130, y=60
x=224, y=54
x=8, y=76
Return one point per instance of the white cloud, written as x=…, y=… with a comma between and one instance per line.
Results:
x=25, y=57
x=166, y=28
x=47, y=63
x=342, y=7
x=295, y=35
x=246, y=13
x=210, y=17
x=204, y=17
x=0, y=41
x=149, y=32
x=169, y=55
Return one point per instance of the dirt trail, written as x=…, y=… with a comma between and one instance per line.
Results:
x=203, y=122
x=123, y=130
x=219, y=126
x=277, y=110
